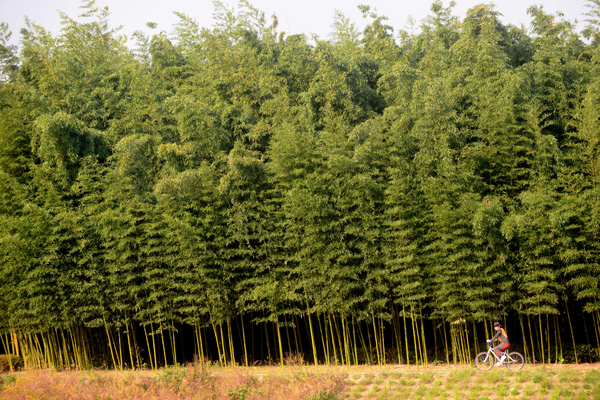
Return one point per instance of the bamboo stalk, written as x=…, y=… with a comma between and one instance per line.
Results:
x=205, y=343
x=244, y=341
x=148, y=346
x=46, y=353
x=585, y=329
x=572, y=334
x=423, y=341
x=525, y=348
x=369, y=339
x=446, y=342
x=162, y=339
x=347, y=343
x=14, y=339
x=597, y=313
x=475, y=340
x=5, y=342
x=556, y=340
x=224, y=352
x=354, y=339
x=53, y=349
x=297, y=335
x=87, y=342
x=416, y=338
x=548, y=337
x=82, y=346
x=335, y=357
x=461, y=343
x=154, y=345
x=129, y=345
x=382, y=336
x=287, y=333
x=26, y=350
x=396, y=325
x=31, y=349
x=217, y=340
x=324, y=340
x=23, y=348
x=67, y=356
x=61, y=354
x=230, y=339
x=63, y=351
x=267, y=341
x=279, y=341
x=531, y=338
x=345, y=354
x=75, y=347
x=197, y=344
x=541, y=338
x=337, y=335
x=339, y=338
x=467, y=344
x=435, y=340
x=173, y=342
x=38, y=349
x=120, y=350
x=375, y=339
x=273, y=326
x=312, y=336
x=405, y=334
x=200, y=344
x=596, y=320
x=364, y=345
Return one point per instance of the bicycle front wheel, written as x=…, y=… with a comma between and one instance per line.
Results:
x=514, y=361
x=484, y=361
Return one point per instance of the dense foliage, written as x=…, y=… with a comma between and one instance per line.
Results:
x=241, y=194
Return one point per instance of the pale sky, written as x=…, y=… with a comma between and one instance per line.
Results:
x=295, y=16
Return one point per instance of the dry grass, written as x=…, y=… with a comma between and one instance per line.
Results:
x=304, y=382
x=170, y=383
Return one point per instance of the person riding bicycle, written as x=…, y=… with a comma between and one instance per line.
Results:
x=504, y=342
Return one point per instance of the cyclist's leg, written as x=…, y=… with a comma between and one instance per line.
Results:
x=498, y=354
x=498, y=350
x=504, y=348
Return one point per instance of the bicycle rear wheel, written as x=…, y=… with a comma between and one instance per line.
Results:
x=484, y=361
x=514, y=361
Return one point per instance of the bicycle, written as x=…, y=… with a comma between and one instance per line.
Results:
x=486, y=359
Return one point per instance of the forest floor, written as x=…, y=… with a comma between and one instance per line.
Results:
x=580, y=381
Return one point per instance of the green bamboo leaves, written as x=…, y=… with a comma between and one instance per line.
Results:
x=241, y=195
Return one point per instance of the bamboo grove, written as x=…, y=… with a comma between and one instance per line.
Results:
x=241, y=195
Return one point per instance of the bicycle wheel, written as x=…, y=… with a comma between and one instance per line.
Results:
x=484, y=361
x=514, y=361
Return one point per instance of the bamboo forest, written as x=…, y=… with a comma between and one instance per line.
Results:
x=242, y=196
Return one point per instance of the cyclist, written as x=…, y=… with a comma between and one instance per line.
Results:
x=504, y=343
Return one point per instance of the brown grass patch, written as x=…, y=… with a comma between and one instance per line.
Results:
x=169, y=384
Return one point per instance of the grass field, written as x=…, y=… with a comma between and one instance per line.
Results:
x=303, y=382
